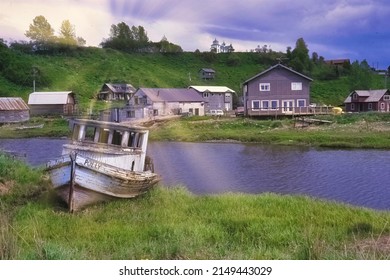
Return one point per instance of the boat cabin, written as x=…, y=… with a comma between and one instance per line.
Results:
x=116, y=144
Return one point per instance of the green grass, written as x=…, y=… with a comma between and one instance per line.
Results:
x=52, y=127
x=346, y=131
x=171, y=223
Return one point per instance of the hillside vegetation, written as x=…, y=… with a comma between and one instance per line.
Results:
x=84, y=70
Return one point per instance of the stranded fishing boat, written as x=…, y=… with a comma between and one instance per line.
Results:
x=104, y=161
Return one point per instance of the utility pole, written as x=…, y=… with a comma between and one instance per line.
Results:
x=34, y=72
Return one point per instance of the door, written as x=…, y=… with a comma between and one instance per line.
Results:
x=287, y=106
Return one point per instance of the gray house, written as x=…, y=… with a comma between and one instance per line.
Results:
x=278, y=90
x=158, y=102
x=206, y=73
x=13, y=109
x=116, y=92
x=52, y=103
x=368, y=101
x=216, y=97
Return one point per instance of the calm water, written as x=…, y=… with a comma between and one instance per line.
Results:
x=358, y=177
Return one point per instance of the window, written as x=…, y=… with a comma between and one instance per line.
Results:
x=205, y=94
x=274, y=104
x=301, y=103
x=265, y=86
x=131, y=114
x=355, y=96
x=352, y=106
x=265, y=105
x=382, y=106
x=255, y=105
x=386, y=97
x=369, y=106
x=296, y=86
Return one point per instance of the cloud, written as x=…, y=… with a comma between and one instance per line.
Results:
x=348, y=28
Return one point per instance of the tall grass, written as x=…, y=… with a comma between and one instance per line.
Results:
x=174, y=224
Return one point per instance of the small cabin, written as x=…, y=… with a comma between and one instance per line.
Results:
x=206, y=73
x=52, y=103
x=13, y=110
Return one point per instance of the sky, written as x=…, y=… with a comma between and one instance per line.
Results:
x=334, y=29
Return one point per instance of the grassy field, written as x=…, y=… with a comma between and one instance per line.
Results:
x=171, y=223
x=85, y=70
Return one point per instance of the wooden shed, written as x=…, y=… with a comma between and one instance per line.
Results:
x=13, y=109
x=52, y=103
x=206, y=73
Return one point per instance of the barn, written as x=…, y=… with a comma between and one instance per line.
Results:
x=13, y=110
x=52, y=103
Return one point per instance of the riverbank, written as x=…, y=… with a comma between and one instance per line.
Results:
x=171, y=223
x=363, y=131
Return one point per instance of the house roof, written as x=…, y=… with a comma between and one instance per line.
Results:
x=12, y=104
x=369, y=95
x=212, y=89
x=276, y=67
x=127, y=88
x=337, y=61
x=55, y=97
x=171, y=94
x=209, y=70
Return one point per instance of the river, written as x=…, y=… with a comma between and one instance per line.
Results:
x=356, y=177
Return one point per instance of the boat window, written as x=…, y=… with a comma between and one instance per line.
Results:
x=76, y=130
x=131, y=139
x=117, y=138
x=89, y=133
x=140, y=140
x=103, y=137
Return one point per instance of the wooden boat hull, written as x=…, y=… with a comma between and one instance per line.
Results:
x=81, y=181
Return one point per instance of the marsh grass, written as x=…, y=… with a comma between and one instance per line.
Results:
x=52, y=127
x=356, y=131
x=171, y=223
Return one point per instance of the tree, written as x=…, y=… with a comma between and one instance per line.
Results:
x=40, y=31
x=300, y=59
x=67, y=33
x=361, y=76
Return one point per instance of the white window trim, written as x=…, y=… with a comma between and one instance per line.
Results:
x=277, y=105
x=386, y=97
x=370, y=106
x=253, y=109
x=352, y=106
x=264, y=108
x=296, y=86
x=267, y=87
x=304, y=102
x=269, y=108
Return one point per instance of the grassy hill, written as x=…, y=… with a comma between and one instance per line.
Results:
x=84, y=70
